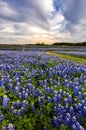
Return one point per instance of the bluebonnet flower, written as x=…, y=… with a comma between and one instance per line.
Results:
x=74, y=127
x=13, y=104
x=79, y=127
x=45, y=82
x=59, y=73
x=16, y=90
x=56, y=122
x=75, y=99
x=24, y=103
x=65, y=81
x=23, y=95
x=55, y=92
x=81, y=78
x=65, y=100
x=59, y=98
x=55, y=98
x=67, y=107
x=5, y=101
x=22, y=109
x=70, y=84
x=33, y=92
x=17, y=84
x=39, y=92
x=72, y=111
x=29, y=80
x=29, y=86
x=40, y=82
x=73, y=119
x=40, y=100
x=85, y=70
x=4, y=128
x=61, y=91
x=2, y=82
x=58, y=80
x=50, y=74
x=67, y=121
x=19, y=113
x=85, y=82
x=83, y=102
x=12, y=109
x=64, y=93
x=67, y=85
x=18, y=104
x=33, y=108
x=68, y=115
x=27, y=91
x=26, y=95
x=49, y=90
x=11, y=127
x=17, y=79
x=80, y=95
x=19, y=94
x=10, y=86
x=75, y=106
x=76, y=79
x=76, y=89
x=79, y=106
x=1, y=118
x=70, y=98
x=7, y=78
x=49, y=99
x=84, y=110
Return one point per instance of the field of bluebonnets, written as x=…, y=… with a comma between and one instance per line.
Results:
x=41, y=92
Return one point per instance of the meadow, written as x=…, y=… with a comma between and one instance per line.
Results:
x=40, y=91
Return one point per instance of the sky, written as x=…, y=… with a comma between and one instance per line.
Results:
x=42, y=21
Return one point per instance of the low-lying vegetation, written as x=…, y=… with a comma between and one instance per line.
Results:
x=39, y=91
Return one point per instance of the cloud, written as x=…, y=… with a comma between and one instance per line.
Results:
x=42, y=21
x=6, y=12
x=72, y=10
x=74, y=13
x=29, y=17
x=28, y=11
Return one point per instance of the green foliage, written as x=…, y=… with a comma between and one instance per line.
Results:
x=69, y=57
x=64, y=127
x=2, y=93
x=51, y=63
x=26, y=124
x=5, y=122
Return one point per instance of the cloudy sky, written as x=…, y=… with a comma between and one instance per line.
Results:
x=48, y=21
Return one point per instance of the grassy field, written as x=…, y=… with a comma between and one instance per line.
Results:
x=69, y=57
x=40, y=91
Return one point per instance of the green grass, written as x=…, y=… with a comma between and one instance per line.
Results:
x=69, y=57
